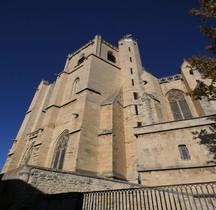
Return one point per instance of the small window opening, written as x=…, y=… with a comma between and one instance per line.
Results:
x=184, y=152
x=81, y=60
x=111, y=57
x=191, y=72
x=132, y=81
x=135, y=94
x=131, y=70
x=130, y=59
x=129, y=49
x=139, y=124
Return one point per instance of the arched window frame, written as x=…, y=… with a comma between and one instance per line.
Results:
x=75, y=86
x=178, y=105
x=27, y=155
x=60, y=151
x=184, y=152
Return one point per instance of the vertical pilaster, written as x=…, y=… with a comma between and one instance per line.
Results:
x=131, y=67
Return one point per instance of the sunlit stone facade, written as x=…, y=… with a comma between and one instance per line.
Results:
x=106, y=116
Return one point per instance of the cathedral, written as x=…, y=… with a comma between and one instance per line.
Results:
x=107, y=119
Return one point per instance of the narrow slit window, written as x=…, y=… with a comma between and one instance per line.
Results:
x=132, y=82
x=130, y=59
x=136, y=109
x=131, y=70
x=129, y=49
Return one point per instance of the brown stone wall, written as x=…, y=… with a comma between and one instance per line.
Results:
x=178, y=176
x=51, y=181
x=119, y=148
x=160, y=160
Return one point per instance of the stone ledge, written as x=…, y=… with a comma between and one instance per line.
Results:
x=142, y=169
x=80, y=174
x=174, y=125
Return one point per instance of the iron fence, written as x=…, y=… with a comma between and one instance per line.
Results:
x=200, y=196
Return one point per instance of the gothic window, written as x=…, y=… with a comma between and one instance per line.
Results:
x=184, y=152
x=178, y=105
x=75, y=86
x=111, y=57
x=60, y=151
x=27, y=155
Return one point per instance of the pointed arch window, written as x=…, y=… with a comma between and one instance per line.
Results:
x=27, y=154
x=60, y=151
x=75, y=86
x=178, y=105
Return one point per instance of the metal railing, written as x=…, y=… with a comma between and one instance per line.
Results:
x=179, y=197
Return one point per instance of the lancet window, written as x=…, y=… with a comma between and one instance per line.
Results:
x=60, y=151
x=27, y=155
x=75, y=86
x=178, y=105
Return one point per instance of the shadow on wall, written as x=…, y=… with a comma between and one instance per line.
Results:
x=208, y=138
x=18, y=195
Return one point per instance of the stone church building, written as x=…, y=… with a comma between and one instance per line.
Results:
x=109, y=123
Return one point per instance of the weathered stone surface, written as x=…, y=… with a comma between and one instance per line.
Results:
x=119, y=123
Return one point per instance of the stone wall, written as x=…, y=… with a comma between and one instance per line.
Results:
x=50, y=181
x=178, y=176
x=32, y=187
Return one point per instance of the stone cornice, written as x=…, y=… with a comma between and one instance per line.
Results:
x=110, y=45
x=141, y=169
x=175, y=125
x=60, y=106
x=80, y=49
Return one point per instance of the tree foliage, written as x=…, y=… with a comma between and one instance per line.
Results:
x=207, y=64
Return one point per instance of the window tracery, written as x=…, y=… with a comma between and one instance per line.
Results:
x=178, y=105
x=60, y=151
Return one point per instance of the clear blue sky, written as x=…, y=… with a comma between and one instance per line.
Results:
x=36, y=37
